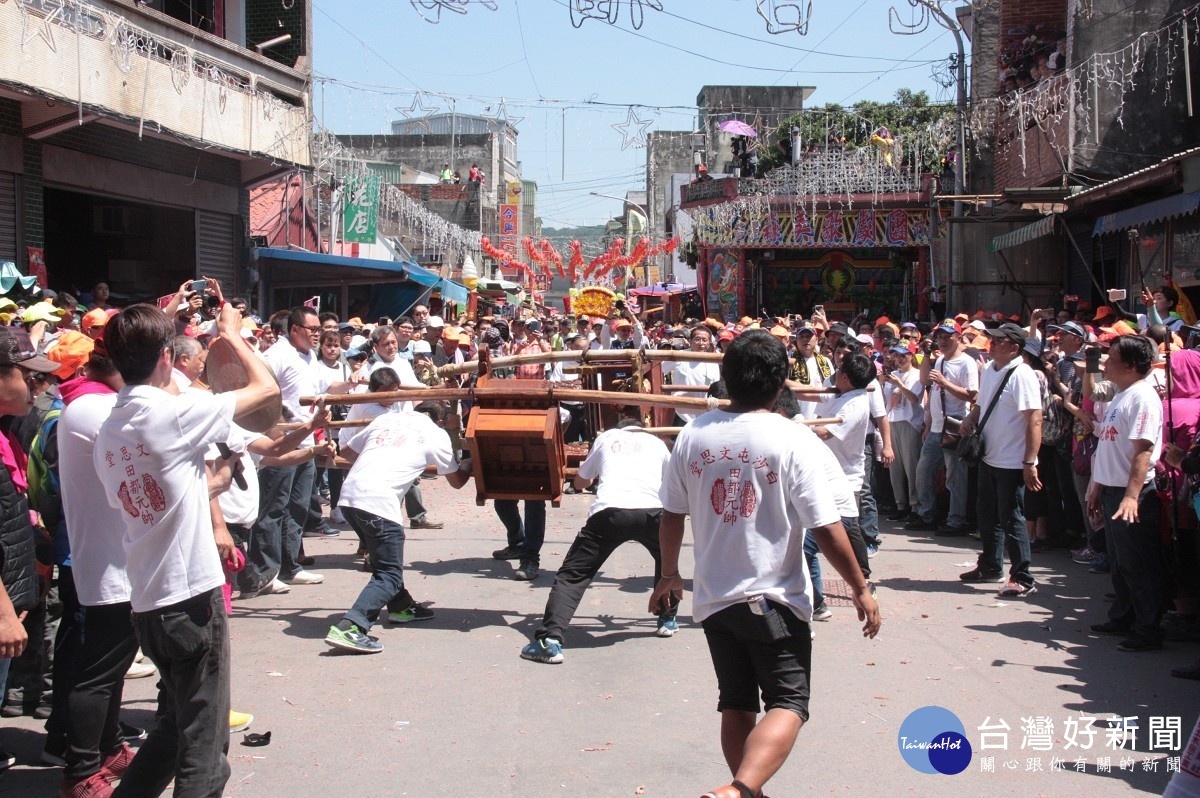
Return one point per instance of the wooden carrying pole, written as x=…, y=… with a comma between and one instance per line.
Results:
x=583, y=357
x=664, y=431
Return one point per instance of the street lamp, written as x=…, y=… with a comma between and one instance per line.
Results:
x=646, y=216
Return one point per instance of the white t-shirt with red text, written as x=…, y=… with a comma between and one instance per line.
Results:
x=631, y=465
x=395, y=449
x=149, y=455
x=1134, y=414
x=752, y=484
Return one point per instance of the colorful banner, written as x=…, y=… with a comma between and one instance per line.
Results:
x=718, y=226
x=360, y=208
x=512, y=193
x=37, y=266
x=722, y=283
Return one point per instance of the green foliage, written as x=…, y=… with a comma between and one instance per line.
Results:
x=911, y=118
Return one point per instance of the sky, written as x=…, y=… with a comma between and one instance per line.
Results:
x=566, y=86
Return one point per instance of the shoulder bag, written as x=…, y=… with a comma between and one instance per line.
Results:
x=950, y=424
x=970, y=448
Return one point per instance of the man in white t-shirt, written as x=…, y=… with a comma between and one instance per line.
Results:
x=287, y=492
x=847, y=440
x=743, y=476
x=149, y=455
x=953, y=381
x=697, y=373
x=389, y=456
x=1010, y=412
x=629, y=464
x=1122, y=493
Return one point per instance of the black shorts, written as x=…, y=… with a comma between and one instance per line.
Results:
x=769, y=653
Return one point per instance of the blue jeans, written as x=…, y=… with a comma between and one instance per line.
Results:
x=811, y=553
x=934, y=457
x=275, y=537
x=1001, y=523
x=384, y=542
x=527, y=536
x=4, y=664
x=1139, y=572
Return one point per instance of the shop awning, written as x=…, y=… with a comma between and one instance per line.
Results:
x=1157, y=211
x=450, y=290
x=10, y=276
x=1023, y=235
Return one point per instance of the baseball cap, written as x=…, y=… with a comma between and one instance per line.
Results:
x=779, y=331
x=1033, y=346
x=1070, y=327
x=863, y=338
x=1008, y=331
x=17, y=350
x=727, y=335
x=346, y=327
x=352, y=353
x=623, y=324
x=435, y=321
x=421, y=347
x=40, y=311
x=534, y=326
x=912, y=325
x=1119, y=328
x=96, y=318
x=1103, y=312
x=949, y=327
x=978, y=325
x=805, y=327
x=70, y=352
x=901, y=350
x=839, y=327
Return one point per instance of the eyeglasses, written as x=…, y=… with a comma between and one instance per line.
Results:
x=316, y=329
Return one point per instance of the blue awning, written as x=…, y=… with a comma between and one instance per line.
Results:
x=450, y=290
x=1157, y=211
x=10, y=276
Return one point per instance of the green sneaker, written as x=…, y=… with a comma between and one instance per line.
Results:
x=414, y=613
x=355, y=640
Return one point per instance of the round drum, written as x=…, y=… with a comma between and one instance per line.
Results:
x=225, y=373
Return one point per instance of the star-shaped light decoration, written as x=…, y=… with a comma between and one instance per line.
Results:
x=31, y=29
x=502, y=117
x=416, y=123
x=633, y=130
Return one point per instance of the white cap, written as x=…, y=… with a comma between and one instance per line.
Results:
x=421, y=347
x=359, y=342
x=978, y=325
x=435, y=321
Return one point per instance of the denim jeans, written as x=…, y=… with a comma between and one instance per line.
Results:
x=527, y=536
x=384, y=542
x=414, y=505
x=189, y=643
x=1075, y=523
x=868, y=511
x=599, y=538
x=1002, y=523
x=812, y=555
x=1139, y=572
x=275, y=539
x=934, y=457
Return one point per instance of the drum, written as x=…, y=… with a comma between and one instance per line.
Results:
x=225, y=373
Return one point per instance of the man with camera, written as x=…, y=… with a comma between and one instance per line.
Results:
x=1009, y=416
x=953, y=381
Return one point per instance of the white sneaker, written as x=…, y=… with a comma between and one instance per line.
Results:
x=306, y=578
x=336, y=517
x=140, y=670
x=274, y=586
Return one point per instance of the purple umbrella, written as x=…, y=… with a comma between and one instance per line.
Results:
x=737, y=128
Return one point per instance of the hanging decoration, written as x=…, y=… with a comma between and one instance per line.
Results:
x=610, y=11
x=502, y=117
x=1077, y=104
x=431, y=10
x=785, y=17
x=417, y=114
x=633, y=130
x=576, y=263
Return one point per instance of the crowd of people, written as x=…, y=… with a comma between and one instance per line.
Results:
x=137, y=503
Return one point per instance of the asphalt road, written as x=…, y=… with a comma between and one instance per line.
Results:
x=449, y=708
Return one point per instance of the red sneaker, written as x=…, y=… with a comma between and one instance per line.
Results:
x=116, y=762
x=96, y=785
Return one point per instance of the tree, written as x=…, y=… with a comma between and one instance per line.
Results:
x=911, y=119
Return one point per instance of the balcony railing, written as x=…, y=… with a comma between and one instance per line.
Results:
x=830, y=173
x=120, y=60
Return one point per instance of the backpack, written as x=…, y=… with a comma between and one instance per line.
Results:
x=1057, y=423
x=44, y=491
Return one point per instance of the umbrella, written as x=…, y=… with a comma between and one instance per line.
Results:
x=737, y=128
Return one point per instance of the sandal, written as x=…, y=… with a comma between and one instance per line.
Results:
x=1016, y=590
x=734, y=790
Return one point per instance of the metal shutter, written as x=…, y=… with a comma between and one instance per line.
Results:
x=8, y=217
x=216, y=249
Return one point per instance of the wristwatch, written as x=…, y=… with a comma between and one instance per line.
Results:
x=1029, y=462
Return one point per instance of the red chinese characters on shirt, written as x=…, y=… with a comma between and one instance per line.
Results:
x=730, y=494
x=139, y=492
